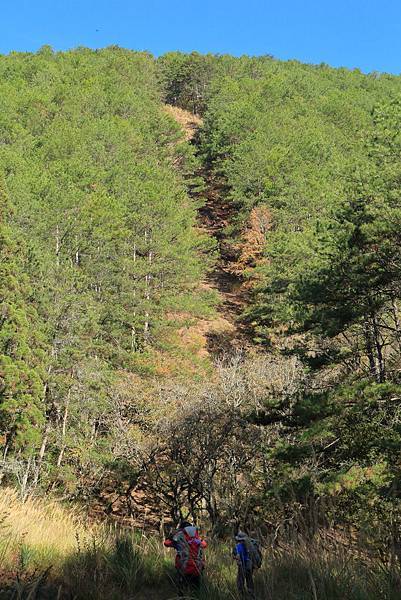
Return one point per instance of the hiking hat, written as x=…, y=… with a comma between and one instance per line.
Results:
x=184, y=524
x=241, y=536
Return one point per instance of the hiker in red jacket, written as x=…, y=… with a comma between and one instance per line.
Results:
x=189, y=560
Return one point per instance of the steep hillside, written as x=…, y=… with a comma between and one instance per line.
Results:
x=99, y=229
x=302, y=167
x=224, y=333
x=200, y=285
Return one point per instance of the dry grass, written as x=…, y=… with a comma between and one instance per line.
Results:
x=42, y=524
x=54, y=555
x=188, y=121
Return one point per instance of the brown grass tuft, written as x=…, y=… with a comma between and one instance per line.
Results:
x=42, y=524
x=188, y=121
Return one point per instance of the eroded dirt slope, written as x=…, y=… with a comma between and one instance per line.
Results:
x=224, y=333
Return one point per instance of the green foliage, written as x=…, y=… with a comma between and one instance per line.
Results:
x=319, y=150
x=21, y=343
x=296, y=139
x=109, y=251
x=102, y=261
x=185, y=79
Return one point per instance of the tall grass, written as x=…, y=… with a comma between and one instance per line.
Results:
x=48, y=552
x=44, y=526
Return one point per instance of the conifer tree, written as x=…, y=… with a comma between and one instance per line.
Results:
x=22, y=410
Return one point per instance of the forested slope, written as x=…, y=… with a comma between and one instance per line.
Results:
x=99, y=251
x=308, y=156
x=110, y=270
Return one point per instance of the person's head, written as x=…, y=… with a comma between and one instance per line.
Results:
x=184, y=524
x=241, y=536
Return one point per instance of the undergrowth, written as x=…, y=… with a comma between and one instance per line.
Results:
x=51, y=553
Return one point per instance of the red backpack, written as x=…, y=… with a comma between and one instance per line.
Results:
x=189, y=560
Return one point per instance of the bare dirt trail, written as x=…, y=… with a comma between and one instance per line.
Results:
x=225, y=333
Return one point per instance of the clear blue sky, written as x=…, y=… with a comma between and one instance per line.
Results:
x=353, y=33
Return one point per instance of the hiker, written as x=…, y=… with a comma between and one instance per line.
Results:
x=248, y=556
x=189, y=560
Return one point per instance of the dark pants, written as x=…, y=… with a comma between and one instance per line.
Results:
x=187, y=581
x=245, y=581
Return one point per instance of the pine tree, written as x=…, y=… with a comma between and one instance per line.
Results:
x=21, y=345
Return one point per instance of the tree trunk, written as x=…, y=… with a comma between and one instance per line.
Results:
x=370, y=350
x=64, y=429
x=6, y=448
x=381, y=367
x=397, y=323
x=57, y=246
x=41, y=454
x=147, y=295
x=134, y=343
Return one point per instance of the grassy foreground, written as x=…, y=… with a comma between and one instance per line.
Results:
x=48, y=552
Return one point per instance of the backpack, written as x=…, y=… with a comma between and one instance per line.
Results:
x=255, y=553
x=189, y=551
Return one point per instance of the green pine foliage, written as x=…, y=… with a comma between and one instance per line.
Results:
x=103, y=260
x=311, y=145
x=22, y=344
x=319, y=150
x=87, y=153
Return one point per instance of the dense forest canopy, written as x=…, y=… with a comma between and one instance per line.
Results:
x=309, y=157
x=99, y=245
x=104, y=264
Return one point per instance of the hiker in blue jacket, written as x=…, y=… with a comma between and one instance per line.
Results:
x=243, y=553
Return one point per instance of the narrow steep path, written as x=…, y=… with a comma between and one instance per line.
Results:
x=225, y=333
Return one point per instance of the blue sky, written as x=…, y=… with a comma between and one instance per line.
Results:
x=353, y=33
